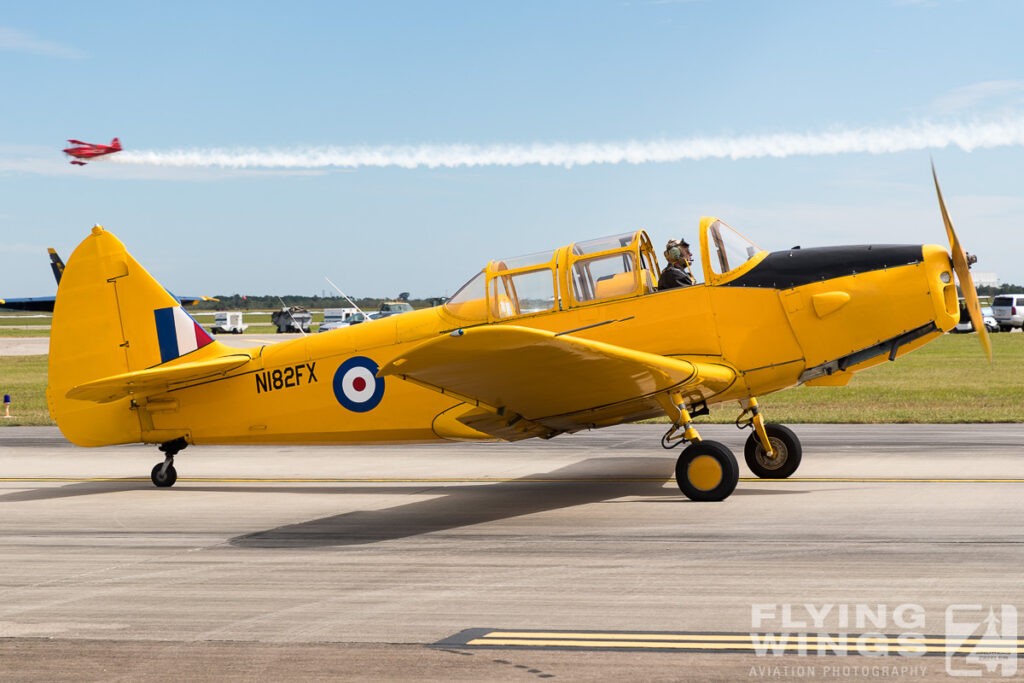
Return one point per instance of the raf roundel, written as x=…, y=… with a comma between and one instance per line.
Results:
x=356, y=385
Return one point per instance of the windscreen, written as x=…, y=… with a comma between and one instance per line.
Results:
x=729, y=249
x=468, y=302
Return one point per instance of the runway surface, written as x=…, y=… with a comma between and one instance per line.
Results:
x=389, y=562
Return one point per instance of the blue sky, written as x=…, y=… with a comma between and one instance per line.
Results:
x=208, y=81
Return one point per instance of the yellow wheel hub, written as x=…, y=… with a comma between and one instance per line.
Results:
x=704, y=472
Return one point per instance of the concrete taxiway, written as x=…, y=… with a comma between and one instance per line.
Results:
x=400, y=562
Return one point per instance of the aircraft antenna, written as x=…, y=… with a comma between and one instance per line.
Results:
x=345, y=296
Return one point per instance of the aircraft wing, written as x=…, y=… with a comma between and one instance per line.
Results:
x=45, y=303
x=37, y=303
x=193, y=300
x=520, y=382
x=156, y=379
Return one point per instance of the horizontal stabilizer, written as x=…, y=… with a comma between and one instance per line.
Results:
x=155, y=379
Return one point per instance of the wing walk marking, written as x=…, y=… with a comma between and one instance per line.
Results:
x=587, y=327
x=498, y=480
x=836, y=644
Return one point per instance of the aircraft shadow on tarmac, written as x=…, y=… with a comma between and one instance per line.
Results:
x=593, y=480
x=462, y=505
x=84, y=488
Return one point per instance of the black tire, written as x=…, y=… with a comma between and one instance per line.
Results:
x=167, y=478
x=707, y=471
x=788, y=453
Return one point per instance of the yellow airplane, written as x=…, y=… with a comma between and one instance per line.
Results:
x=551, y=343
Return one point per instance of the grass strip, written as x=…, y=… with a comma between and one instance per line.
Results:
x=24, y=378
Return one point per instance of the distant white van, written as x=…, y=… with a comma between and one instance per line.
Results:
x=335, y=318
x=338, y=315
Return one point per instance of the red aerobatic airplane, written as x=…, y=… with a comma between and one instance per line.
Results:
x=88, y=150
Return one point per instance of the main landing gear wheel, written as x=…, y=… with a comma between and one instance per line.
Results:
x=707, y=471
x=787, y=453
x=164, y=477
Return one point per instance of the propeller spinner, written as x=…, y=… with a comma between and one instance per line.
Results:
x=961, y=266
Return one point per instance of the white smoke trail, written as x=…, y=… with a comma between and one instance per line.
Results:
x=966, y=136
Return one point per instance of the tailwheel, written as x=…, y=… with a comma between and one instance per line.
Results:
x=164, y=474
x=782, y=462
x=707, y=471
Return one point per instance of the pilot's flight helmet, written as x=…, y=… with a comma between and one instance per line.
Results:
x=674, y=250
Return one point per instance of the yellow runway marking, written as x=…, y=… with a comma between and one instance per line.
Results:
x=884, y=480
x=822, y=643
x=850, y=647
x=739, y=637
x=541, y=480
x=336, y=480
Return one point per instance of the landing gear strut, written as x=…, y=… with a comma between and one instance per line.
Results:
x=164, y=474
x=772, y=451
x=786, y=453
x=705, y=470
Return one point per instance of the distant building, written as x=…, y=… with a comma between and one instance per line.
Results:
x=985, y=278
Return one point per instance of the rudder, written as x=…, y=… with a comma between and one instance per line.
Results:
x=111, y=317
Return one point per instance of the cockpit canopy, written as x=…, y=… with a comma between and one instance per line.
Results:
x=580, y=274
x=591, y=272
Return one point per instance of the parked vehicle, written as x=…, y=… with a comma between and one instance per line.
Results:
x=337, y=324
x=393, y=308
x=293, y=319
x=965, y=324
x=228, y=322
x=334, y=315
x=1009, y=311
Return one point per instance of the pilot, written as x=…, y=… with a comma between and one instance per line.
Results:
x=677, y=272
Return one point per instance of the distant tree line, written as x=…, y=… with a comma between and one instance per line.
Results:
x=257, y=302
x=1001, y=289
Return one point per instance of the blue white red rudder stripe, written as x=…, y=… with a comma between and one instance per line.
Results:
x=178, y=333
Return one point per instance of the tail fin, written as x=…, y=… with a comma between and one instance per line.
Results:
x=112, y=318
x=115, y=143
x=56, y=264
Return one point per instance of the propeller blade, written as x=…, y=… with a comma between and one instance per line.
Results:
x=963, y=274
